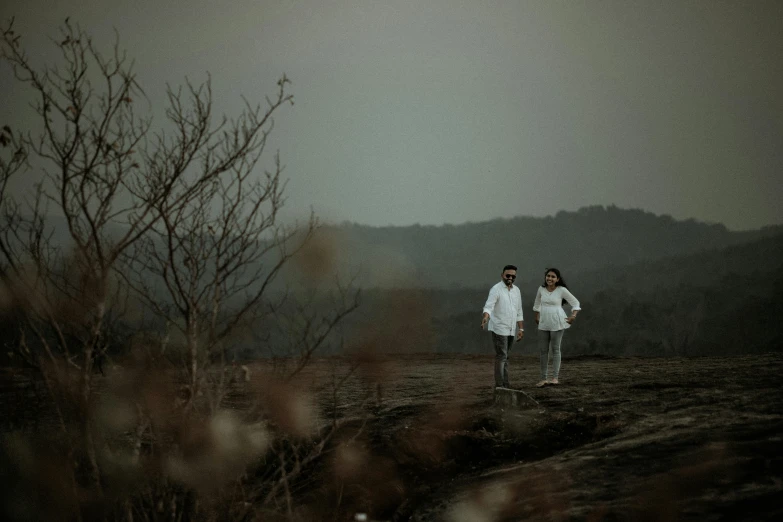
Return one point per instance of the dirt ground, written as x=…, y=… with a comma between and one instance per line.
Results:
x=618, y=439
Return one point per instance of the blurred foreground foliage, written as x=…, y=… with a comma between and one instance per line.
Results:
x=131, y=277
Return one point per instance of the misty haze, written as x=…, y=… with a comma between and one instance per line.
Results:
x=245, y=248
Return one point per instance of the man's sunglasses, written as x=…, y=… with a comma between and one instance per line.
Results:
x=510, y=276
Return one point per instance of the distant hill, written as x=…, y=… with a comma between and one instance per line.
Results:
x=725, y=301
x=758, y=261
x=715, y=301
x=592, y=240
x=471, y=255
x=649, y=284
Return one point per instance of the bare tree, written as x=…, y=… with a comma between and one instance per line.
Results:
x=216, y=256
x=176, y=219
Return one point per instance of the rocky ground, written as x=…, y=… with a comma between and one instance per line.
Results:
x=421, y=439
x=618, y=439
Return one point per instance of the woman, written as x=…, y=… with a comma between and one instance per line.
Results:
x=552, y=321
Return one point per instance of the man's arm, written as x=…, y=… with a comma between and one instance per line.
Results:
x=521, y=330
x=489, y=306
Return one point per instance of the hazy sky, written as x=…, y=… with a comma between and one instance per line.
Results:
x=445, y=111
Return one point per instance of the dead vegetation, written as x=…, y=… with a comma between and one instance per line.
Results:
x=428, y=452
x=129, y=277
x=162, y=421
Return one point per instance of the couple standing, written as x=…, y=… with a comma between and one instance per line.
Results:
x=503, y=313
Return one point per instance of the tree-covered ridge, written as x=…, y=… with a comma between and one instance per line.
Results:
x=468, y=255
x=718, y=301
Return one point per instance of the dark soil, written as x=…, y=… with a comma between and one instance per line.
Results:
x=618, y=439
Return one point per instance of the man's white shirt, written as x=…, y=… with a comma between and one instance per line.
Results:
x=504, y=307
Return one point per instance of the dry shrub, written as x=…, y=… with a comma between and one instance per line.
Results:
x=287, y=406
x=350, y=460
x=216, y=450
x=365, y=481
x=317, y=258
x=182, y=224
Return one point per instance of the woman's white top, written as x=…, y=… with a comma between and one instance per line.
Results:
x=550, y=307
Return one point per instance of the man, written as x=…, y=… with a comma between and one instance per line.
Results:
x=502, y=309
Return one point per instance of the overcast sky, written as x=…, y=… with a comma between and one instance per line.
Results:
x=446, y=111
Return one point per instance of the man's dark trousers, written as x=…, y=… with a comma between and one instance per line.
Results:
x=502, y=348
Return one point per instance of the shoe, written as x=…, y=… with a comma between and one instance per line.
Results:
x=553, y=381
x=542, y=384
